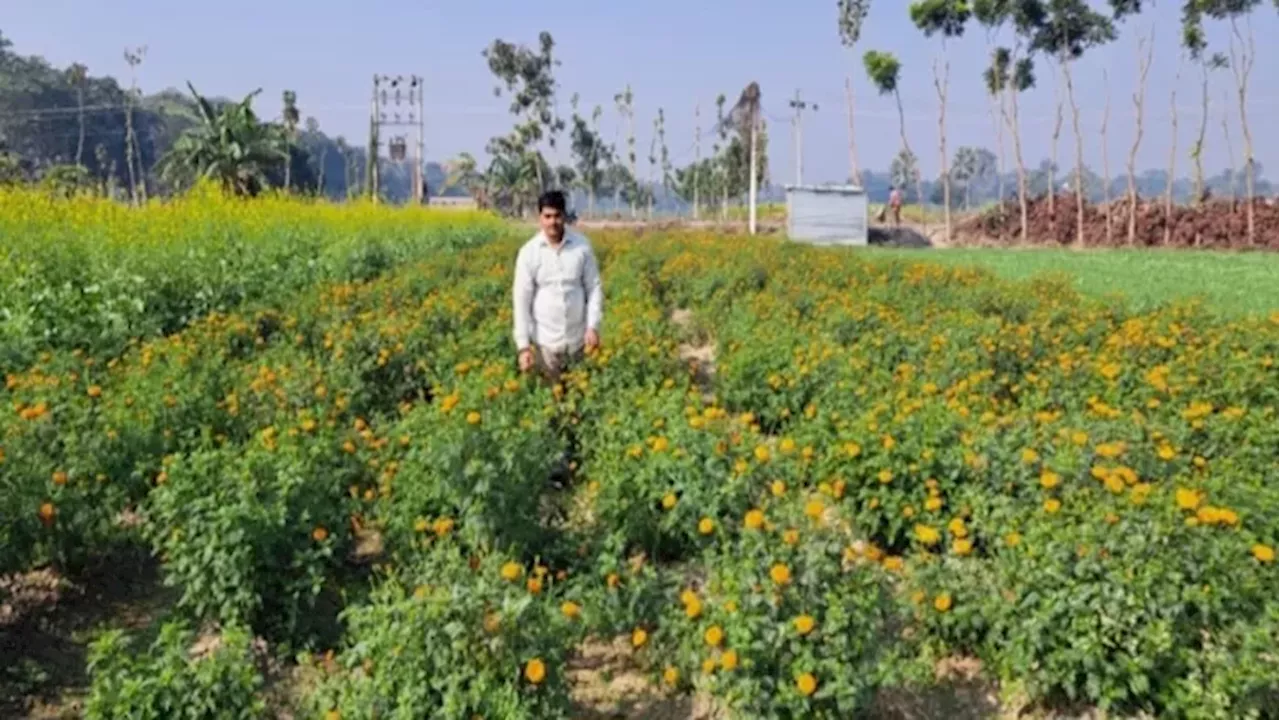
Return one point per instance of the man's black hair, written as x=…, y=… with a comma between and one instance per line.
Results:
x=552, y=199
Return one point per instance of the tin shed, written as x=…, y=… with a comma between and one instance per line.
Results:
x=827, y=214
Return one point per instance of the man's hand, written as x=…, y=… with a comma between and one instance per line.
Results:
x=526, y=359
x=591, y=340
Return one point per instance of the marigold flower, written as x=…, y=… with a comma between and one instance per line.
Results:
x=671, y=676
x=729, y=660
x=511, y=571
x=706, y=526
x=570, y=609
x=942, y=602
x=754, y=519
x=804, y=624
x=639, y=637
x=713, y=636
x=806, y=683
x=1263, y=553
x=780, y=573
x=535, y=671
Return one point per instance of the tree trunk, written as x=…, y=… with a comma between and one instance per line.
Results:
x=854, y=175
x=1053, y=161
x=751, y=179
x=1075, y=128
x=324, y=155
x=1241, y=68
x=902, y=131
x=995, y=110
x=1173, y=156
x=940, y=84
x=697, y=155
x=1011, y=118
x=1139, y=99
x=1106, y=162
x=1198, y=148
x=80, y=114
x=129, y=148
x=1231, y=152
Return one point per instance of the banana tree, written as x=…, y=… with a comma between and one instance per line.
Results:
x=230, y=146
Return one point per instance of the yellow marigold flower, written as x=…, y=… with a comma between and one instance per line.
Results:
x=762, y=453
x=957, y=528
x=942, y=602
x=780, y=573
x=927, y=535
x=639, y=637
x=729, y=660
x=893, y=563
x=511, y=571
x=754, y=519
x=787, y=446
x=791, y=536
x=885, y=476
x=806, y=684
x=713, y=636
x=534, y=585
x=671, y=676
x=814, y=509
x=962, y=547
x=421, y=525
x=319, y=534
x=1114, y=484
x=708, y=666
x=917, y=597
x=706, y=526
x=443, y=526
x=1052, y=505
x=693, y=608
x=492, y=622
x=535, y=671
x=1187, y=499
x=1165, y=452
x=1029, y=456
x=60, y=478
x=933, y=504
x=1050, y=479
x=668, y=501
x=1263, y=553
x=804, y=624
x=888, y=442
x=570, y=609
x=687, y=596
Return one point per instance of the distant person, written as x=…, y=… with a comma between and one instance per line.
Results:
x=557, y=294
x=895, y=205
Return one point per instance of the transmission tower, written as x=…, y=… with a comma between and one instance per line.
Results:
x=797, y=133
x=397, y=103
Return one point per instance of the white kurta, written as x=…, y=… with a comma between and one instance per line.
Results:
x=557, y=293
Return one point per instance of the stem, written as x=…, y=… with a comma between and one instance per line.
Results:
x=1198, y=148
x=1241, y=68
x=1106, y=163
x=941, y=87
x=854, y=175
x=1139, y=99
x=1173, y=156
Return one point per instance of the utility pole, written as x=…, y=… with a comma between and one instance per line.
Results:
x=797, y=133
x=390, y=95
x=697, y=154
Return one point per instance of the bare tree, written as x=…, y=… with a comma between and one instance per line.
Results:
x=1173, y=155
x=1242, y=57
x=1139, y=100
x=624, y=100
x=77, y=75
x=849, y=19
x=1106, y=162
x=137, y=191
x=884, y=70
x=945, y=18
x=1009, y=74
x=1231, y=153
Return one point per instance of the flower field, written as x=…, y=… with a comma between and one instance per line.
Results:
x=801, y=479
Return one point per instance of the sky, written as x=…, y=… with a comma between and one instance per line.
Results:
x=675, y=55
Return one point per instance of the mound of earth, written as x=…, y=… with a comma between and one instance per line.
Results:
x=896, y=237
x=1217, y=224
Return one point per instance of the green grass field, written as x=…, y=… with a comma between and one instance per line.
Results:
x=1232, y=284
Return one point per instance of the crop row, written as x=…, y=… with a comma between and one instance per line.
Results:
x=94, y=275
x=887, y=465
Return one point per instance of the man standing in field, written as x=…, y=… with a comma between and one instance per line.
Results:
x=558, y=295
x=895, y=205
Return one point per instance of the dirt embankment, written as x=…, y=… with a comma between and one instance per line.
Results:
x=1217, y=224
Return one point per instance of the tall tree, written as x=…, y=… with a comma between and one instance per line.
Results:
x=133, y=57
x=1139, y=105
x=1070, y=29
x=289, y=116
x=529, y=79
x=850, y=15
x=77, y=74
x=745, y=116
x=946, y=19
x=884, y=71
x=1241, y=50
x=626, y=110
x=990, y=14
x=1106, y=162
x=1195, y=44
x=591, y=157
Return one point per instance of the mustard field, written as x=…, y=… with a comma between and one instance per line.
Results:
x=802, y=479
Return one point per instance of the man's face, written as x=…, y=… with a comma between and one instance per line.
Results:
x=552, y=221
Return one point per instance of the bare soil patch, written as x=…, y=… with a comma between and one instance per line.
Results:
x=608, y=685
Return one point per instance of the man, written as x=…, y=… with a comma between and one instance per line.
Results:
x=558, y=296
x=895, y=205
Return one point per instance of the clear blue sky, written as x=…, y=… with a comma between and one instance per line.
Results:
x=674, y=55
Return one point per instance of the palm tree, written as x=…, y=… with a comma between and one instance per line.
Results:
x=463, y=174
x=290, y=117
x=229, y=145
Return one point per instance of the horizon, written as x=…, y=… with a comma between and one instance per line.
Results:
x=803, y=50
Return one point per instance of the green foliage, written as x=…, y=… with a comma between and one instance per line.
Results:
x=883, y=70
x=230, y=146
x=176, y=677
x=942, y=17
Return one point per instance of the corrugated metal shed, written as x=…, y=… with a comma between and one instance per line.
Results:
x=827, y=214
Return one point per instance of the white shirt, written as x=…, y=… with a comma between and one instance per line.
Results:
x=557, y=293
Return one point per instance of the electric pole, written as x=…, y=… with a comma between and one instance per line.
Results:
x=391, y=95
x=797, y=133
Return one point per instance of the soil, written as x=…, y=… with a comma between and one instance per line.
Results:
x=48, y=622
x=1216, y=224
